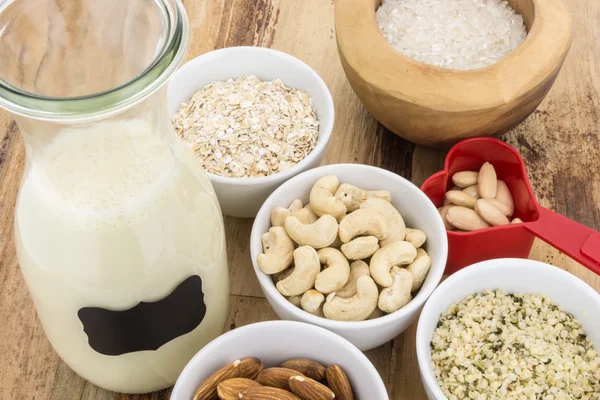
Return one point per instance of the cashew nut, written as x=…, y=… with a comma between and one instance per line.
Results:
x=306, y=215
x=283, y=274
x=416, y=237
x=353, y=197
x=337, y=243
x=357, y=269
x=419, y=269
x=319, y=234
x=278, y=248
x=312, y=300
x=356, y=308
x=322, y=199
x=296, y=206
x=396, y=253
x=364, y=222
x=360, y=248
x=279, y=214
x=377, y=313
x=397, y=228
x=398, y=295
x=306, y=269
x=295, y=300
x=336, y=274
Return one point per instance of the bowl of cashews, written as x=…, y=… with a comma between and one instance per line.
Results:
x=351, y=248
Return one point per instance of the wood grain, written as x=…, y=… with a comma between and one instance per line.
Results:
x=560, y=143
x=433, y=106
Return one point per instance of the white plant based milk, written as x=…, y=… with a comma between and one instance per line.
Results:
x=109, y=217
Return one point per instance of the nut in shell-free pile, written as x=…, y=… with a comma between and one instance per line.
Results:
x=296, y=379
x=332, y=256
x=494, y=345
x=247, y=127
x=479, y=200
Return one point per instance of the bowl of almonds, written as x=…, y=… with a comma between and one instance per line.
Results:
x=254, y=117
x=351, y=248
x=279, y=360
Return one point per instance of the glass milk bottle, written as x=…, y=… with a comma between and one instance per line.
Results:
x=118, y=231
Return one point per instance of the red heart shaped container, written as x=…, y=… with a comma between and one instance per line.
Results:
x=513, y=240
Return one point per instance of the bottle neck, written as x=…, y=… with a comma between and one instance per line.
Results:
x=87, y=62
x=151, y=113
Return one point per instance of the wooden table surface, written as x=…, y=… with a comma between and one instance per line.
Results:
x=560, y=143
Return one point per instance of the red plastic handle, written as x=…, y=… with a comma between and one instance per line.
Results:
x=575, y=240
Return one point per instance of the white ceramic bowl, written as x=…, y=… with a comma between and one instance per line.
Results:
x=512, y=275
x=418, y=212
x=242, y=197
x=275, y=342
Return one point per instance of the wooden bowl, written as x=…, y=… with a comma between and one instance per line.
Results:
x=434, y=106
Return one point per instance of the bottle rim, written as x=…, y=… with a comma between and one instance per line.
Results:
x=114, y=100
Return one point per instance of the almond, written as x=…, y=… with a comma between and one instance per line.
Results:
x=230, y=389
x=267, y=393
x=504, y=209
x=249, y=368
x=443, y=211
x=503, y=195
x=306, y=367
x=208, y=389
x=466, y=219
x=490, y=214
x=465, y=179
x=276, y=377
x=472, y=191
x=246, y=368
x=460, y=198
x=309, y=389
x=488, y=182
x=338, y=383
x=517, y=221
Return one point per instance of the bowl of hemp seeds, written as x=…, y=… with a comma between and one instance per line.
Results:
x=510, y=329
x=254, y=117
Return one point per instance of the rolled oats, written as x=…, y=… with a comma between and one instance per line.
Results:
x=494, y=345
x=247, y=127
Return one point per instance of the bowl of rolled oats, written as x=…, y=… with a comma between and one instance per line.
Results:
x=254, y=117
x=511, y=329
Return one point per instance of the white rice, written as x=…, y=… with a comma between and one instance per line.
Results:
x=453, y=34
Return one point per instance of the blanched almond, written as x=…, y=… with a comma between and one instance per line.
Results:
x=443, y=211
x=464, y=179
x=490, y=213
x=517, y=221
x=472, y=191
x=486, y=185
x=466, y=219
x=504, y=209
x=504, y=196
x=460, y=198
x=309, y=389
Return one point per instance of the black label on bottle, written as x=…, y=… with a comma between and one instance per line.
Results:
x=147, y=326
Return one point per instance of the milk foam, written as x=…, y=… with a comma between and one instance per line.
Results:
x=104, y=175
